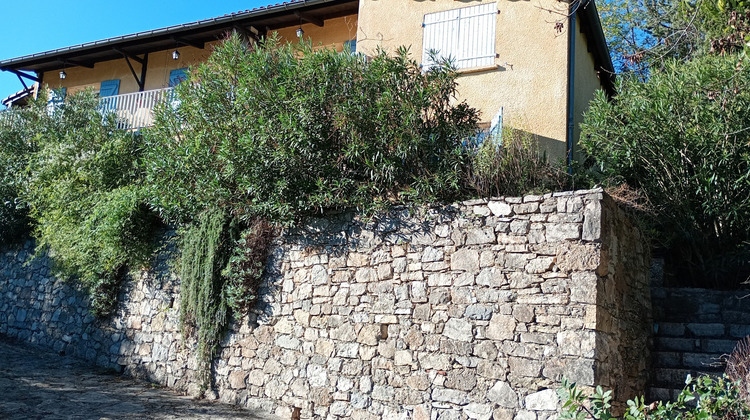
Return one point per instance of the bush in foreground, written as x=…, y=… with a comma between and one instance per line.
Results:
x=681, y=139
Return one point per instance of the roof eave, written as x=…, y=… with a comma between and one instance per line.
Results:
x=18, y=63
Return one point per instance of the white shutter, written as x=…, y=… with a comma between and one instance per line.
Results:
x=466, y=36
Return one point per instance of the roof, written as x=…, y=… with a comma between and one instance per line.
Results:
x=261, y=20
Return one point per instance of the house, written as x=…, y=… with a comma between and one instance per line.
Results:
x=533, y=65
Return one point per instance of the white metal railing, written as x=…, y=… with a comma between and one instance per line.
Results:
x=134, y=110
x=8, y=117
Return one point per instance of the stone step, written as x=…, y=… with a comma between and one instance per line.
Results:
x=674, y=378
x=701, y=330
x=662, y=394
x=669, y=359
x=695, y=345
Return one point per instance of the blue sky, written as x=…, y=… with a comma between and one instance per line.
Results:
x=43, y=25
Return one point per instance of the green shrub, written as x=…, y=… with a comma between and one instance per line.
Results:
x=681, y=139
x=16, y=145
x=82, y=187
x=513, y=166
x=702, y=398
x=279, y=131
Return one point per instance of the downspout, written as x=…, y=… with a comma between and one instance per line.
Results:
x=571, y=88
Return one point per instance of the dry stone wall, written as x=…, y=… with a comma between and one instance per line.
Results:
x=474, y=310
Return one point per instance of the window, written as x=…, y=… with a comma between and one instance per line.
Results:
x=465, y=35
x=109, y=88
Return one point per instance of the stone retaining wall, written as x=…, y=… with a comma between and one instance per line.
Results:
x=473, y=310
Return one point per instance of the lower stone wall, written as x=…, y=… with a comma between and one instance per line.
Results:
x=474, y=310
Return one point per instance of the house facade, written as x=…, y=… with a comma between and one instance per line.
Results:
x=530, y=65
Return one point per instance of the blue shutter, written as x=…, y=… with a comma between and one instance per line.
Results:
x=55, y=99
x=350, y=46
x=109, y=88
x=177, y=76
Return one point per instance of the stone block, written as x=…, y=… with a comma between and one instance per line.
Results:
x=545, y=400
x=461, y=379
x=458, y=329
x=478, y=312
x=522, y=367
x=502, y=394
x=478, y=411
x=237, y=379
x=707, y=330
x=501, y=327
x=499, y=208
x=558, y=232
x=450, y=396
x=465, y=260
x=480, y=236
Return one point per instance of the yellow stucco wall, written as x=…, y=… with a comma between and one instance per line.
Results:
x=333, y=34
x=586, y=82
x=530, y=83
x=160, y=63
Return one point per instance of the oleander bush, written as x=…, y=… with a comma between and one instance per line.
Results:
x=261, y=136
x=681, y=138
x=17, y=145
x=283, y=130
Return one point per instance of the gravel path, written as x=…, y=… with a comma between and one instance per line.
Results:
x=39, y=385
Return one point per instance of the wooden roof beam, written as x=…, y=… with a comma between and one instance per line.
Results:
x=309, y=18
x=128, y=55
x=184, y=42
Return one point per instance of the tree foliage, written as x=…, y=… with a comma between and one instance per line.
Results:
x=682, y=138
x=642, y=34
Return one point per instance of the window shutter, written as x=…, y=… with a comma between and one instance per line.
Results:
x=177, y=76
x=109, y=88
x=465, y=35
x=350, y=46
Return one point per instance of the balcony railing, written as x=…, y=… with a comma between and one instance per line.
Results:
x=8, y=118
x=134, y=110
